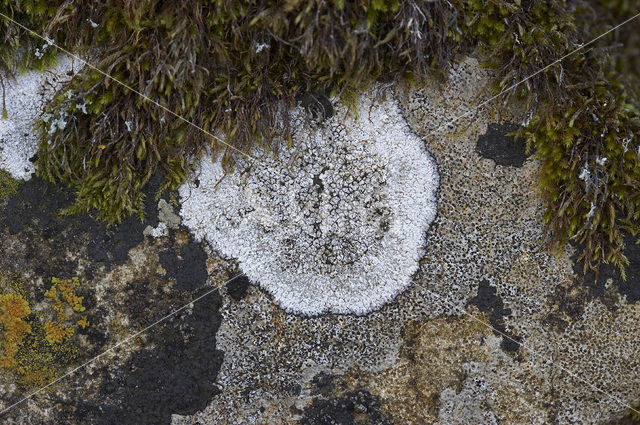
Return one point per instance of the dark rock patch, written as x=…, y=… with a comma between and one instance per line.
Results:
x=237, y=288
x=177, y=376
x=488, y=301
x=317, y=104
x=629, y=288
x=354, y=408
x=36, y=201
x=323, y=384
x=189, y=268
x=503, y=149
x=175, y=370
x=35, y=215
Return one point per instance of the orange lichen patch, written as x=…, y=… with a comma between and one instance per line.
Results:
x=65, y=303
x=44, y=355
x=36, y=349
x=56, y=333
x=13, y=311
x=63, y=291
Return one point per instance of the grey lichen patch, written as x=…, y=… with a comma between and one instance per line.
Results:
x=599, y=347
x=167, y=218
x=334, y=224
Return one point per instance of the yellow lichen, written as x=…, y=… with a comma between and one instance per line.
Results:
x=83, y=323
x=56, y=333
x=63, y=291
x=8, y=185
x=13, y=311
x=63, y=298
x=36, y=349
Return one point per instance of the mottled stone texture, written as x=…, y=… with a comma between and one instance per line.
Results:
x=494, y=328
x=128, y=283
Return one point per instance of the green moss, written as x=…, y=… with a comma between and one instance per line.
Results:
x=583, y=111
x=235, y=68
x=20, y=50
x=8, y=185
x=227, y=66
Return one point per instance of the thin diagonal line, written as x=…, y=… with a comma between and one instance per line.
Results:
x=216, y=287
x=127, y=339
x=504, y=335
x=164, y=108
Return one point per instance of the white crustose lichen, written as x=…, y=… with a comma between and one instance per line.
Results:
x=26, y=97
x=335, y=224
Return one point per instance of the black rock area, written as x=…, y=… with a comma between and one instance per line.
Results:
x=175, y=372
x=317, y=104
x=488, y=301
x=354, y=408
x=503, y=149
x=37, y=208
x=189, y=269
x=629, y=288
x=237, y=288
x=177, y=376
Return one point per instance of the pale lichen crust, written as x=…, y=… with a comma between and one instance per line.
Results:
x=25, y=98
x=335, y=224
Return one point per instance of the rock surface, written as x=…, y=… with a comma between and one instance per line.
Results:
x=494, y=328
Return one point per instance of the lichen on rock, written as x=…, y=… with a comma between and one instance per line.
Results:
x=26, y=97
x=334, y=225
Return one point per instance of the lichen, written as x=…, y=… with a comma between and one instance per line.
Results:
x=28, y=93
x=338, y=225
x=13, y=311
x=36, y=347
x=8, y=185
x=62, y=297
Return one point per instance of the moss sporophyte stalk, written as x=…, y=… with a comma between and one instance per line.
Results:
x=237, y=68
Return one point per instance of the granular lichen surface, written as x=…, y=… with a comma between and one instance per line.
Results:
x=337, y=223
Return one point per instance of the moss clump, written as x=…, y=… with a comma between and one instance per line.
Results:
x=37, y=347
x=583, y=122
x=8, y=185
x=20, y=51
x=235, y=68
x=232, y=68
